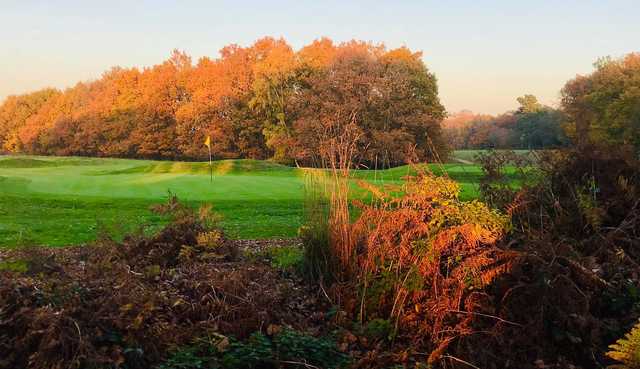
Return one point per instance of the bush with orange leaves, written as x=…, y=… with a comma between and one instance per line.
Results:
x=424, y=258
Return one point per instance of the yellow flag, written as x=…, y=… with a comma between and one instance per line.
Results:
x=207, y=142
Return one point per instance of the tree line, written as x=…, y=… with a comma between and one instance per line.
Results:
x=603, y=106
x=531, y=126
x=261, y=101
x=268, y=101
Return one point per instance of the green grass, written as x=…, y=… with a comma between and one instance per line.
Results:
x=471, y=155
x=286, y=258
x=19, y=266
x=57, y=201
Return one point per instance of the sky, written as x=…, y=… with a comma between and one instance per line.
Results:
x=483, y=53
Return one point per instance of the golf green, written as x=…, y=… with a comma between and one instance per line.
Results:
x=56, y=201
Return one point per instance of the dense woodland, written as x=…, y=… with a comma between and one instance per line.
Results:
x=262, y=101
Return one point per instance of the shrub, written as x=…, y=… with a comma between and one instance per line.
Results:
x=287, y=258
x=379, y=329
x=505, y=174
x=257, y=351
x=190, y=357
x=577, y=229
x=296, y=348
x=14, y=266
x=286, y=349
x=424, y=258
x=126, y=304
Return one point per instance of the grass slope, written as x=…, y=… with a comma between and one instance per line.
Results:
x=472, y=155
x=57, y=201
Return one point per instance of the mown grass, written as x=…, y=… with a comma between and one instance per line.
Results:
x=56, y=201
x=472, y=155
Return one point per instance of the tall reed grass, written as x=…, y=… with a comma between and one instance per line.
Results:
x=315, y=230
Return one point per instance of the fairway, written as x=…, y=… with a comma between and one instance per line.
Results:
x=57, y=201
x=472, y=155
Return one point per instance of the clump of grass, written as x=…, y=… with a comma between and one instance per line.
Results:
x=287, y=258
x=18, y=266
x=315, y=229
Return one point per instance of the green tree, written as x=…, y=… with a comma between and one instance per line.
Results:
x=528, y=104
x=540, y=129
x=605, y=105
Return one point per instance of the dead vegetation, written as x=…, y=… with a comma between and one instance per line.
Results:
x=421, y=262
x=548, y=281
x=575, y=288
x=424, y=260
x=129, y=304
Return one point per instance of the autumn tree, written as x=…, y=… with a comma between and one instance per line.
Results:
x=162, y=92
x=262, y=101
x=33, y=134
x=409, y=107
x=605, y=105
x=466, y=130
x=275, y=78
x=528, y=104
x=390, y=96
x=317, y=55
x=14, y=113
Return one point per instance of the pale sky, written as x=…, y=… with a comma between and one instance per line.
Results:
x=484, y=53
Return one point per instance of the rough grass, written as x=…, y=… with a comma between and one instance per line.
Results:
x=57, y=201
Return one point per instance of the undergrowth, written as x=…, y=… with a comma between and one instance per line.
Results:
x=127, y=304
x=285, y=348
x=542, y=274
x=287, y=258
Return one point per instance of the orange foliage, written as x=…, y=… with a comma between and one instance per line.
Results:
x=250, y=100
x=319, y=54
x=424, y=259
